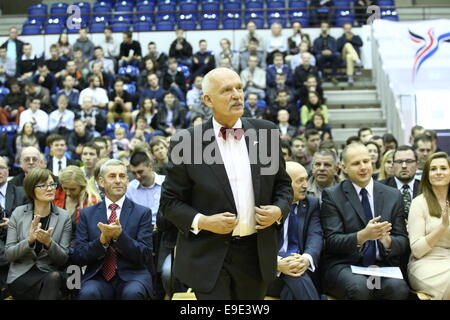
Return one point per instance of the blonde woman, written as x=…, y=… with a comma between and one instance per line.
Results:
x=429, y=231
x=387, y=165
x=74, y=193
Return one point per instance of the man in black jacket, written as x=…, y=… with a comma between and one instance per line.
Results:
x=181, y=49
x=203, y=60
x=174, y=80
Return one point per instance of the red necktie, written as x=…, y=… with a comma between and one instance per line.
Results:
x=236, y=132
x=109, y=265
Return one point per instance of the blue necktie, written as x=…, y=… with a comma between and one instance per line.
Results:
x=292, y=231
x=370, y=253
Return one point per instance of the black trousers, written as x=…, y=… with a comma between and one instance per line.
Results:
x=293, y=288
x=240, y=277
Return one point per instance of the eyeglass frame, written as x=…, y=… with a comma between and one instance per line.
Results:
x=45, y=186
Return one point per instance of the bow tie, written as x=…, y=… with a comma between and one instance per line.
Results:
x=236, y=132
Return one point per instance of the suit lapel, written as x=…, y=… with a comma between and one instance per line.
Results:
x=255, y=167
x=125, y=213
x=354, y=200
x=218, y=168
x=101, y=215
x=54, y=217
x=9, y=198
x=378, y=203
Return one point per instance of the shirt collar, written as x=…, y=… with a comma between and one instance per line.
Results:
x=118, y=202
x=3, y=189
x=159, y=179
x=401, y=184
x=369, y=188
x=217, y=126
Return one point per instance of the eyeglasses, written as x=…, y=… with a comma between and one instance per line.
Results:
x=44, y=186
x=30, y=159
x=408, y=161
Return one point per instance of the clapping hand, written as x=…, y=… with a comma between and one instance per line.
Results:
x=5, y=222
x=110, y=231
x=35, y=225
x=44, y=237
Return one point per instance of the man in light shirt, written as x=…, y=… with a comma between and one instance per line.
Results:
x=99, y=95
x=227, y=212
x=38, y=118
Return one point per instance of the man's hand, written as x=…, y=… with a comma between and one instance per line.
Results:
x=266, y=216
x=4, y=224
x=221, y=223
x=115, y=229
x=295, y=265
x=374, y=230
x=326, y=52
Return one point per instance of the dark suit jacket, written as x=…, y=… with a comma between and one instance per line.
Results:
x=15, y=197
x=133, y=247
x=259, y=113
x=178, y=117
x=18, y=179
x=69, y=163
x=342, y=216
x=19, y=48
x=311, y=234
x=291, y=131
x=391, y=183
x=192, y=188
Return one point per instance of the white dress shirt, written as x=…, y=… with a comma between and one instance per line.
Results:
x=55, y=167
x=312, y=267
x=369, y=189
x=40, y=116
x=58, y=119
x=98, y=95
x=235, y=157
x=3, y=195
x=119, y=202
x=410, y=184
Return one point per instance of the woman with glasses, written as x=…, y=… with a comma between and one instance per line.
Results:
x=38, y=241
x=429, y=231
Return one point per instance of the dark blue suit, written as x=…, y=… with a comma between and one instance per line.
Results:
x=310, y=238
x=133, y=250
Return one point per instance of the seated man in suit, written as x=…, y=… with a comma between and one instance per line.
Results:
x=300, y=241
x=405, y=167
x=11, y=197
x=114, y=239
x=57, y=159
x=364, y=225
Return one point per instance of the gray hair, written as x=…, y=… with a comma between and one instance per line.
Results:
x=325, y=153
x=110, y=163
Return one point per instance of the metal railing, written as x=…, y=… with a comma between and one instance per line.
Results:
x=390, y=103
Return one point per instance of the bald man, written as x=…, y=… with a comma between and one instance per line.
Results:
x=30, y=158
x=300, y=242
x=227, y=205
x=364, y=225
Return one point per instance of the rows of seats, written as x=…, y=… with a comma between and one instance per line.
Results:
x=147, y=15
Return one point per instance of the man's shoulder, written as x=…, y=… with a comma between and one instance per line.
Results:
x=390, y=192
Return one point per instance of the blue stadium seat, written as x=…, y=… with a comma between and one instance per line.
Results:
x=231, y=4
x=254, y=4
x=231, y=20
x=167, y=5
x=211, y=5
x=59, y=8
x=4, y=91
x=386, y=3
x=389, y=14
x=188, y=5
x=124, y=6
x=143, y=17
x=185, y=70
x=165, y=25
x=130, y=70
x=187, y=21
x=38, y=12
x=257, y=17
x=83, y=21
x=276, y=4
x=31, y=28
x=146, y=7
x=344, y=13
x=54, y=28
x=97, y=27
x=122, y=18
x=85, y=7
x=276, y=16
x=166, y=17
x=100, y=18
x=103, y=8
x=299, y=16
x=130, y=88
x=121, y=26
x=297, y=4
x=142, y=26
x=209, y=21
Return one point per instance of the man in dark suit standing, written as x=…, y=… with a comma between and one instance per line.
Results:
x=114, y=239
x=228, y=204
x=11, y=197
x=300, y=242
x=405, y=167
x=364, y=225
